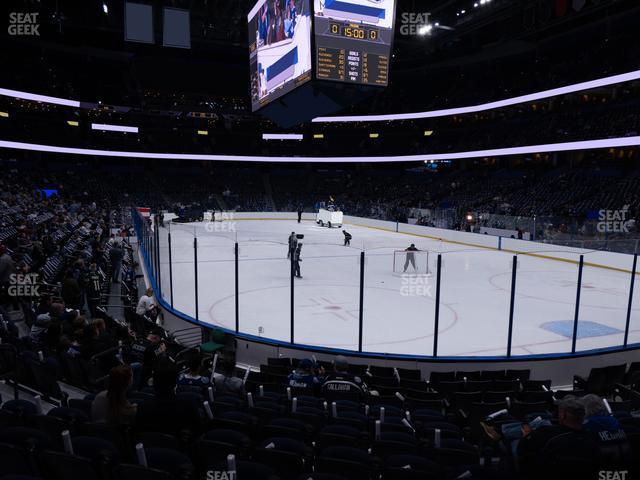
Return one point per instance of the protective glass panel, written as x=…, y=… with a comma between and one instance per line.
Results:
x=182, y=266
x=327, y=296
x=216, y=275
x=474, y=302
x=399, y=297
x=544, y=304
x=604, y=296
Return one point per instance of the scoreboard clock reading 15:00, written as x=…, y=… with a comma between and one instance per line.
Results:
x=353, y=31
x=353, y=40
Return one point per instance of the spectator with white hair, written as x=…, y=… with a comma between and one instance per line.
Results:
x=146, y=305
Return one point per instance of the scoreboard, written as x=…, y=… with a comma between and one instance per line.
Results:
x=352, y=44
x=353, y=40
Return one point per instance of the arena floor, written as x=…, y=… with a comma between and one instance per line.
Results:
x=398, y=311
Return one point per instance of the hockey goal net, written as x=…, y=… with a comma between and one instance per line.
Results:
x=411, y=262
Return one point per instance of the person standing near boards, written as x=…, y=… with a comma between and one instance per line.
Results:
x=299, y=213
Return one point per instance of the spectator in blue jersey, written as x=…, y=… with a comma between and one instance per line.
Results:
x=192, y=377
x=305, y=378
x=615, y=450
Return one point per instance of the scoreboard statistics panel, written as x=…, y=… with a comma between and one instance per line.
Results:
x=353, y=40
x=279, y=48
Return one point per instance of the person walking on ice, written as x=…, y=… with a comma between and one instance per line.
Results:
x=410, y=258
x=347, y=238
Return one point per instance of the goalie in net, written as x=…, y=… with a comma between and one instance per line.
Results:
x=411, y=260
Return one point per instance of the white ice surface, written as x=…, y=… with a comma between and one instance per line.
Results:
x=398, y=311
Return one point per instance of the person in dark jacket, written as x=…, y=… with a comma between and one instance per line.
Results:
x=347, y=238
x=94, y=292
x=71, y=291
x=341, y=381
x=296, y=261
x=192, y=377
x=7, y=269
x=410, y=257
x=168, y=412
x=115, y=256
x=549, y=447
x=293, y=242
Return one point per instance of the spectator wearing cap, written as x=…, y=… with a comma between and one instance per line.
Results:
x=341, y=381
x=304, y=377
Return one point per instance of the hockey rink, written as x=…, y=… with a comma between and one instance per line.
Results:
x=399, y=310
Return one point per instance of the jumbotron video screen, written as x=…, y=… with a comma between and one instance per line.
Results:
x=279, y=48
x=353, y=40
